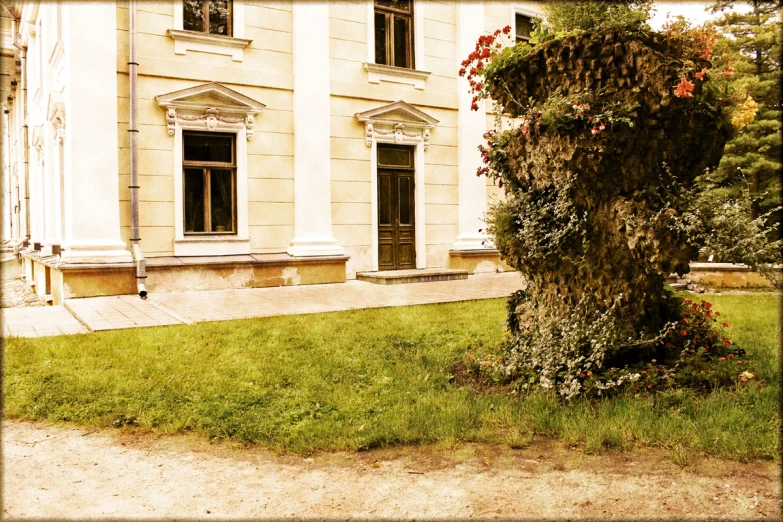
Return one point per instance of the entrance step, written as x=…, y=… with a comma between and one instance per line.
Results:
x=396, y=277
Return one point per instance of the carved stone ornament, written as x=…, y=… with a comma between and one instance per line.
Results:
x=56, y=115
x=38, y=141
x=397, y=122
x=212, y=105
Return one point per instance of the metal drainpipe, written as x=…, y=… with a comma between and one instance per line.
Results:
x=25, y=144
x=138, y=255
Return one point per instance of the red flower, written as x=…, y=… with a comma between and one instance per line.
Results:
x=731, y=356
x=589, y=374
x=507, y=29
x=581, y=375
x=726, y=342
x=668, y=345
x=683, y=332
x=685, y=320
x=722, y=359
x=700, y=75
x=728, y=72
x=684, y=88
x=725, y=325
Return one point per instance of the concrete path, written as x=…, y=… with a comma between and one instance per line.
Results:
x=40, y=321
x=114, y=312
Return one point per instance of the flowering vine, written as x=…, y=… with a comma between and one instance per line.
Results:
x=697, y=47
x=473, y=67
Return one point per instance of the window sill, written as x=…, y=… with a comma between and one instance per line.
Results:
x=185, y=41
x=211, y=246
x=377, y=73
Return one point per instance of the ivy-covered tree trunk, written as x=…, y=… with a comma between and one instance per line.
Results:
x=610, y=197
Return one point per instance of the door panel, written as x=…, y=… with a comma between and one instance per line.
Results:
x=396, y=220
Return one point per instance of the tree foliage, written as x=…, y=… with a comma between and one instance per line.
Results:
x=569, y=15
x=751, y=48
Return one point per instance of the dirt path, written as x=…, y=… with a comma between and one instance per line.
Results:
x=77, y=473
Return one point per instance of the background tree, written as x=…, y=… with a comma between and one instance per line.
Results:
x=567, y=15
x=752, y=159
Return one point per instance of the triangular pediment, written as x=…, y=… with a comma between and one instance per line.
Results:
x=210, y=95
x=398, y=112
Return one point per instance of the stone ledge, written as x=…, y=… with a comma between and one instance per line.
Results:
x=726, y=267
x=244, y=259
x=393, y=277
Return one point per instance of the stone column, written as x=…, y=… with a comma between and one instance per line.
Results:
x=471, y=126
x=92, y=210
x=312, y=183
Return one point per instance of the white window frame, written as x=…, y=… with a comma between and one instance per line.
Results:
x=233, y=45
x=234, y=114
x=377, y=73
x=213, y=244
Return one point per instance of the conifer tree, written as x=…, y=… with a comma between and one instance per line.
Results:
x=751, y=48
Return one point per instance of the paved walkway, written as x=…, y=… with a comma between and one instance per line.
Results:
x=129, y=311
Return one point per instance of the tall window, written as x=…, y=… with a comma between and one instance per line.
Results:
x=207, y=16
x=524, y=26
x=209, y=169
x=394, y=33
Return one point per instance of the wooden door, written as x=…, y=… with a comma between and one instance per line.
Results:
x=396, y=211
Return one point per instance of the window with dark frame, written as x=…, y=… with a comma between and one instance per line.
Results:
x=394, y=33
x=207, y=16
x=524, y=27
x=209, y=183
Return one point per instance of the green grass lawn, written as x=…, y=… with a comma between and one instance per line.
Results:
x=369, y=378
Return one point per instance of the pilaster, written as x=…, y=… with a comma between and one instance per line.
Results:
x=92, y=210
x=471, y=126
x=312, y=178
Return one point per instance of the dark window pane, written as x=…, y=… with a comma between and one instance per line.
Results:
x=403, y=5
x=384, y=200
x=219, y=16
x=193, y=15
x=401, y=37
x=405, y=201
x=394, y=157
x=380, y=38
x=194, y=200
x=208, y=147
x=221, y=200
x=524, y=27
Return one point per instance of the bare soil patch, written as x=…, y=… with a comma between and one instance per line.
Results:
x=65, y=472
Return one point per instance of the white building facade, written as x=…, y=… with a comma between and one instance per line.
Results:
x=276, y=143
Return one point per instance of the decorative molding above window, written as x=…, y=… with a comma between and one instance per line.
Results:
x=210, y=106
x=398, y=122
x=233, y=45
x=56, y=115
x=387, y=73
x=185, y=41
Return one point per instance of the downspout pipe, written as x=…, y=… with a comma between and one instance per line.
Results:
x=133, y=135
x=25, y=136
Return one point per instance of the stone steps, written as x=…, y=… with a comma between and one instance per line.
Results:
x=396, y=277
